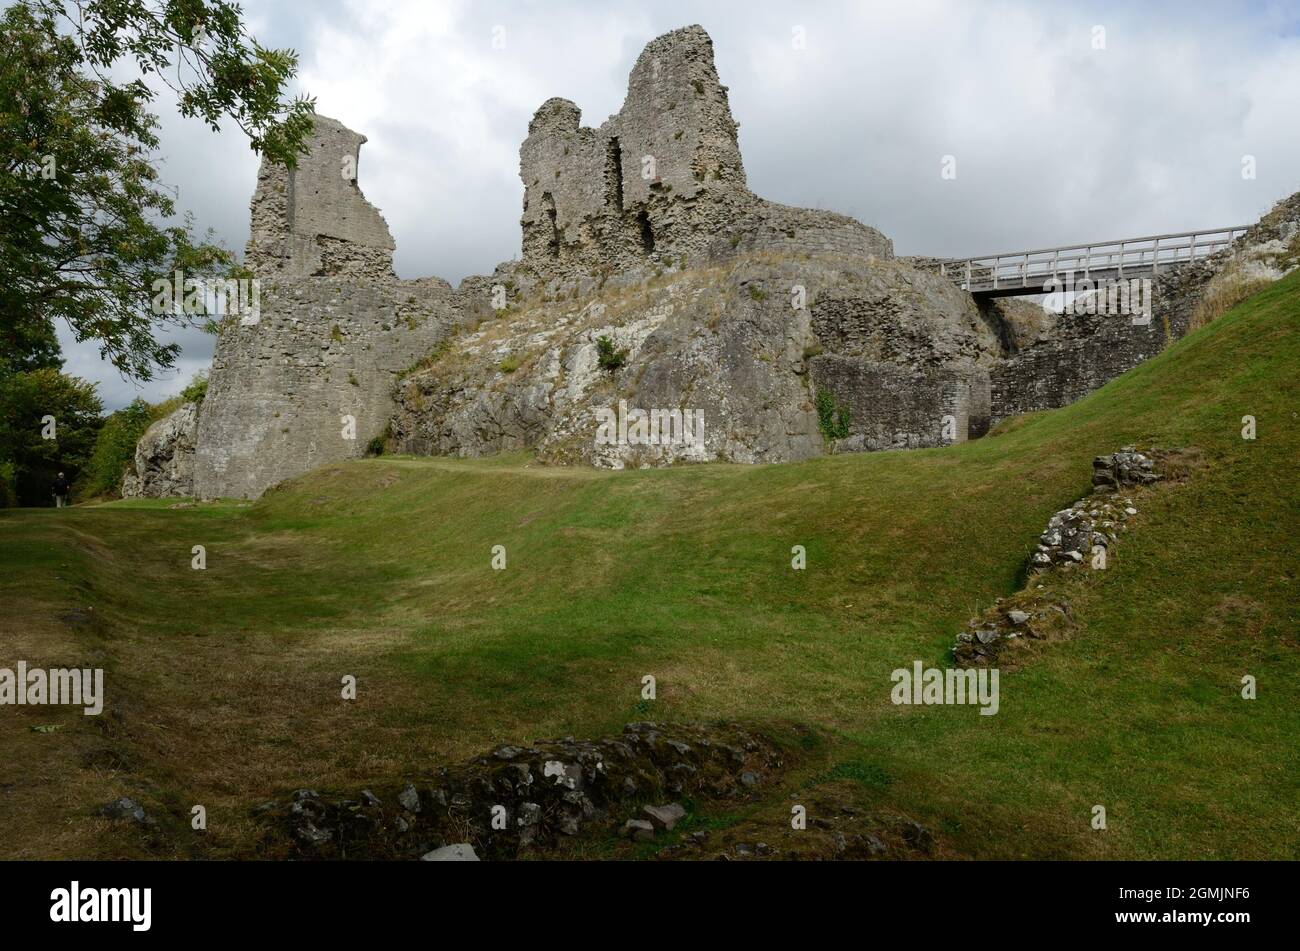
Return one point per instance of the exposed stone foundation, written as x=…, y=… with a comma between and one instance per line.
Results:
x=537, y=795
x=1080, y=538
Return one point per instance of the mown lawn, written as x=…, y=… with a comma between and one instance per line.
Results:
x=224, y=684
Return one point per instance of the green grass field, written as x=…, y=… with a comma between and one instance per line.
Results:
x=224, y=684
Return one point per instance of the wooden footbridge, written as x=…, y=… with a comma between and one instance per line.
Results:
x=1104, y=262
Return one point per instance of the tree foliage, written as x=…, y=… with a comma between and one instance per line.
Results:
x=608, y=356
x=86, y=221
x=114, y=450
x=48, y=424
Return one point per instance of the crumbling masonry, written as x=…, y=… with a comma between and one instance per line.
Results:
x=642, y=232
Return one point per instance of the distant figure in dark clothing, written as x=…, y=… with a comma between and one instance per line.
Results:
x=61, y=487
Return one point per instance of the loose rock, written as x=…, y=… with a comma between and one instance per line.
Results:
x=665, y=817
x=460, y=852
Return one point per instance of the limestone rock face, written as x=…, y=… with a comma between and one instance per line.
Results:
x=742, y=346
x=1021, y=322
x=164, y=457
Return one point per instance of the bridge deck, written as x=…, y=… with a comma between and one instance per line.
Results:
x=1047, y=270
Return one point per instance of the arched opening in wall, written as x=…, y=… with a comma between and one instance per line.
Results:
x=548, y=205
x=614, y=174
x=647, y=232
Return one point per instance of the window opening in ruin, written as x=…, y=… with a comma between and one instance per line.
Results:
x=614, y=174
x=548, y=202
x=647, y=233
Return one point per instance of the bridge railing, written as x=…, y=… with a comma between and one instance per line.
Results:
x=1108, y=260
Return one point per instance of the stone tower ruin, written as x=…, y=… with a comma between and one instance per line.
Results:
x=310, y=381
x=313, y=221
x=660, y=180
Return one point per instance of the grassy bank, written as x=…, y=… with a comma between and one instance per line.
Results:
x=224, y=684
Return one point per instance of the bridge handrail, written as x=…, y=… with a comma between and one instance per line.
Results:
x=1100, y=246
x=1016, y=269
x=1102, y=255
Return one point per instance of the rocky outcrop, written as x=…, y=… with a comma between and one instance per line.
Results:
x=164, y=457
x=1269, y=250
x=743, y=347
x=1019, y=322
x=518, y=799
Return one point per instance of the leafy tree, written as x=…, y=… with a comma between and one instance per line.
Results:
x=196, y=389
x=114, y=450
x=28, y=346
x=84, y=238
x=28, y=403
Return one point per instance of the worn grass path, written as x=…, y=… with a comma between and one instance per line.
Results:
x=224, y=683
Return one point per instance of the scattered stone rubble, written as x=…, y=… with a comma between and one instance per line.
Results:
x=837, y=830
x=128, y=809
x=1080, y=537
x=549, y=791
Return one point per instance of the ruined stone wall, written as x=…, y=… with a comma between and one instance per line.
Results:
x=1058, y=372
x=662, y=181
x=325, y=348
x=768, y=226
x=890, y=313
x=332, y=331
x=890, y=407
x=642, y=231
x=313, y=221
x=1074, y=354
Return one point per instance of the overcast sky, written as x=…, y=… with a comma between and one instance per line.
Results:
x=1056, y=141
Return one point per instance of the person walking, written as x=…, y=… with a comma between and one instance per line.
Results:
x=61, y=488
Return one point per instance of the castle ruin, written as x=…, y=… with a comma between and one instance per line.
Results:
x=639, y=238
